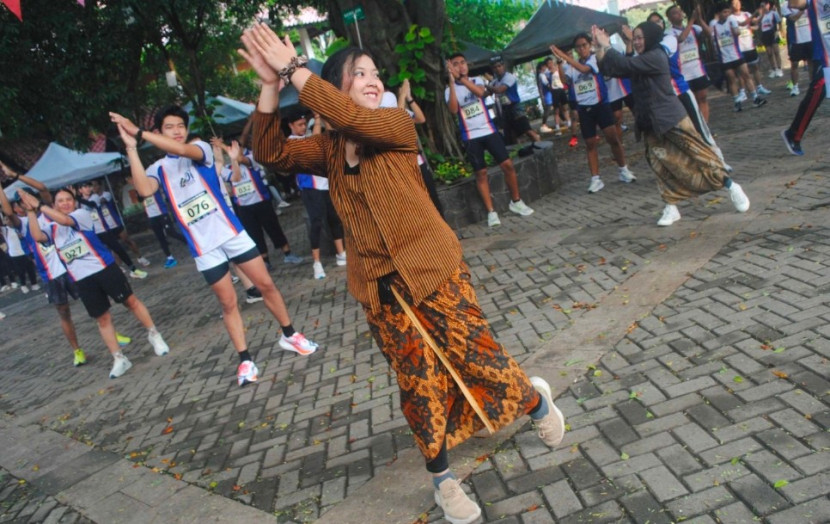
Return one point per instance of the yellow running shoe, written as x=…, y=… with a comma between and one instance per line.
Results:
x=80, y=358
x=123, y=340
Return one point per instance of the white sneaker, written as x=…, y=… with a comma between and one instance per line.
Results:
x=493, y=219
x=779, y=73
x=158, y=343
x=5, y=287
x=35, y=287
x=772, y=73
x=545, y=129
x=143, y=261
x=15, y=285
x=138, y=273
x=298, y=344
x=457, y=506
x=738, y=197
x=763, y=90
x=670, y=215
x=319, y=273
x=795, y=91
x=120, y=366
x=283, y=203
x=2, y=315
x=626, y=175
x=246, y=373
x=340, y=259
x=520, y=208
x=742, y=97
x=551, y=427
x=596, y=184
x=24, y=290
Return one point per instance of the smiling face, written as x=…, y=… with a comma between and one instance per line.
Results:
x=174, y=127
x=361, y=81
x=639, y=41
x=64, y=202
x=583, y=48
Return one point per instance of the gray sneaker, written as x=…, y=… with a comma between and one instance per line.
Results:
x=291, y=258
x=551, y=428
x=457, y=506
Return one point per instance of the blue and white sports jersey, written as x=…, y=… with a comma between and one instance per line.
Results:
x=800, y=31
x=154, y=205
x=669, y=45
x=250, y=189
x=617, y=87
x=819, y=15
x=511, y=96
x=691, y=66
x=310, y=181
x=588, y=88
x=95, y=212
x=47, y=261
x=12, y=236
x=196, y=199
x=473, y=116
x=726, y=42
x=109, y=213
x=78, y=246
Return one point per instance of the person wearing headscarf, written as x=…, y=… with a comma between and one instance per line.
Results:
x=685, y=164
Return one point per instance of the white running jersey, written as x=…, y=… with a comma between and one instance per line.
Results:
x=803, y=26
x=690, y=64
x=250, y=189
x=78, y=246
x=197, y=200
x=745, y=40
x=588, y=88
x=13, y=241
x=770, y=21
x=48, y=263
x=725, y=41
x=94, y=211
x=473, y=117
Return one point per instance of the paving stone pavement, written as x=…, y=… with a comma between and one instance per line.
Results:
x=690, y=362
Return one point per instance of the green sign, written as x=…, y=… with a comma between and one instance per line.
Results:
x=353, y=15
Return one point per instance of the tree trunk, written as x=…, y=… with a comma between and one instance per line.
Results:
x=386, y=24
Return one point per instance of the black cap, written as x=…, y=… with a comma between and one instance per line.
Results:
x=496, y=59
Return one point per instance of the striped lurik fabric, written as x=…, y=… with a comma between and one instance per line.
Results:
x=389, y=220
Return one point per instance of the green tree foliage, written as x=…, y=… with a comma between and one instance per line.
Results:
x=488, y=23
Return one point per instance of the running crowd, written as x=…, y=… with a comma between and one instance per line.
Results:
x=361, y=171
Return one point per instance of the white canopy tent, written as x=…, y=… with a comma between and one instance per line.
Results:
x=60, y=166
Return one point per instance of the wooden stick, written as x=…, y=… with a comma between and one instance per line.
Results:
x=444, y=360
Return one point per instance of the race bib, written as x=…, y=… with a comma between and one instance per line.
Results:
x=473, y=110
x=690, y=55
x=804, y=21
x=243, y=189
x=585, y=87
x=73, y=250
x=725, y=41
x=504, y=100
x=766, y=24
x=106, y=212
x=823, y=25
x=94, y=214
x=196, y=208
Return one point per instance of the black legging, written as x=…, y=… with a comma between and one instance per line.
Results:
x=809, y=104
x=6, y=269
x=24, y=266
x=162, y=229
x=258, y=217
x=318, y=205
x=115, y=246
x=429, y=181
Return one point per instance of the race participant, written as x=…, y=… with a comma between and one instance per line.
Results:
x=156, y=210
x=112, y=220
x=560, y=97
x=725, y=31
x=545, y=96
x=591, y=95
x=90, y=202
x=691, y=65
x=746, y=43
x=819, y=15
x=799, y=42
x=93, y=268
x=465, y=98
x=215, y=236
x=769, y=24
x=506, y=88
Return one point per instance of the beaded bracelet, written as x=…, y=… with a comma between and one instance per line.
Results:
x=295, y=63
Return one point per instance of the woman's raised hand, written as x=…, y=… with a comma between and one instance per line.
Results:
x=263, y=47
x=28, y=201
x=601, y=38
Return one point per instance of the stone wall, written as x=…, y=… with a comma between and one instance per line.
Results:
x=538, y=175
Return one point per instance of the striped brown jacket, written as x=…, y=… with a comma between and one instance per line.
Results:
x=389, y=220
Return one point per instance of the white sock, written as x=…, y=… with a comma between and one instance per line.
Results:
x=117, y=355
x=153, y=330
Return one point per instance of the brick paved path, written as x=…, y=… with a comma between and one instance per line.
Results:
x=691, y=362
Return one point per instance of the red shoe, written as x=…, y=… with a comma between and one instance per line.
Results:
x=574, y=142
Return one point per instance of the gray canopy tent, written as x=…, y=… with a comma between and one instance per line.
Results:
x=556, y=23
